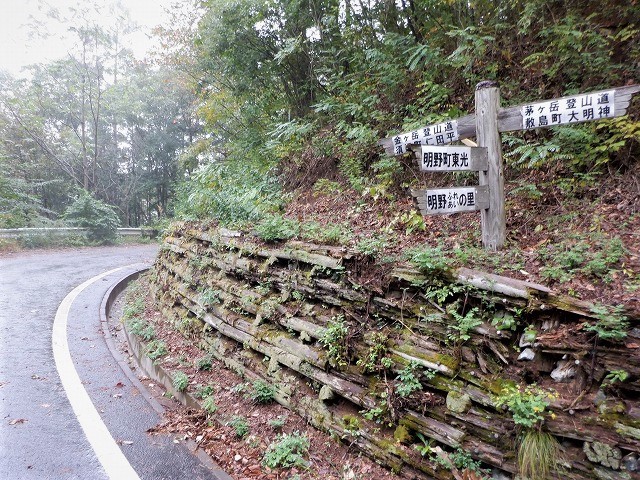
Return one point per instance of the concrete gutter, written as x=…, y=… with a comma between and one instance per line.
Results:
x=153, y=371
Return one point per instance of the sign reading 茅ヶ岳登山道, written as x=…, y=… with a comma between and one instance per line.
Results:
x=576, y=109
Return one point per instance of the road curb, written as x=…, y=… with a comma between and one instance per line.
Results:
x=146, y=365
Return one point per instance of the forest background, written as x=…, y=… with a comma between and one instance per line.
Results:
x=265, y=115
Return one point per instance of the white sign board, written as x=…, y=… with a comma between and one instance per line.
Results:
x=452, y=200
x=579, y=108
x=438, y=134
x=452, y=159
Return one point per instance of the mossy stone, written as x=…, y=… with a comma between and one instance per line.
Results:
x=458, y=402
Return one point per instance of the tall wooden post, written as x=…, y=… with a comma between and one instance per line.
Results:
x=493, y=218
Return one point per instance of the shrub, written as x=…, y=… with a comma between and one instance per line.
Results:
x=97, y=217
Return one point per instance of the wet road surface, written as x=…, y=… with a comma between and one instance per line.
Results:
x=41, y=435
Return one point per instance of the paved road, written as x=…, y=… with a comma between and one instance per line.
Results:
x=41, y=435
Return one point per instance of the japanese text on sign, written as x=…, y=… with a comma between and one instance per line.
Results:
x=451, y=200
x=580, y=108
x=439, y=134
x=447, y=159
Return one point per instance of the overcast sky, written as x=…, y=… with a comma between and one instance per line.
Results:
x=18, y=49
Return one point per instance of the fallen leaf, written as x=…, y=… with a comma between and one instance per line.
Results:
x=16, y=421
x=119, y=385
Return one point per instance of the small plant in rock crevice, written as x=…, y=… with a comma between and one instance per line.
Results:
x=334, y=340
x=407, y=380
x=539, y=451
x=611, y=324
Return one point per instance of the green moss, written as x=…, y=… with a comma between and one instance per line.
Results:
x=402, y=434
x=498, y=384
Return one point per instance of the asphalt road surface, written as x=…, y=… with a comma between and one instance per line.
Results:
x=67, y=408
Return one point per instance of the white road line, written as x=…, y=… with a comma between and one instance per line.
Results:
x=109, y=454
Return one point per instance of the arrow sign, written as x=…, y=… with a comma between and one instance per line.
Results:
x=451, y=159
x=452, y=200
x=540, y=114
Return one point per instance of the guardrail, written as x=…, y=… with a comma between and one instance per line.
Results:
x=125, y=232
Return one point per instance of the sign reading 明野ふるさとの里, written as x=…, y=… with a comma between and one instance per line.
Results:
x=430, y=145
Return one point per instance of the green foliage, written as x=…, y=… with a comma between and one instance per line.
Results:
x=334, y=234
x=156, y=349
x=611, y=325
x=527, y=405
x=371, y=246
x=262, y=392
x=205, y=363
x=460, y=328
x=430, y=260
x=595, y=257
x=211, y=297
x=204, y=391
x=240, y=426
x=180, y=381
x=275, y=228
x=99, y=218
x=375, y=358
x=425, y=447
x=287, y=451
x=142, y=329
x=334, y=341
x=233, y=192
x=278, y=423
x=615, y=376
x=407, y=380
x=459, y=459
x=209, y=405
x=533, y=154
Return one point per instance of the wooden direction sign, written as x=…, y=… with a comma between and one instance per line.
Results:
x=486, y=125
x=450, y=158
x=570, y=109
x=452, y=200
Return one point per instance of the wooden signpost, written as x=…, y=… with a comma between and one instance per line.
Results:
x=430, y=146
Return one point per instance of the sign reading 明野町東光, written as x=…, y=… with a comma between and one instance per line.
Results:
x=451, y=158
x=579, y=108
